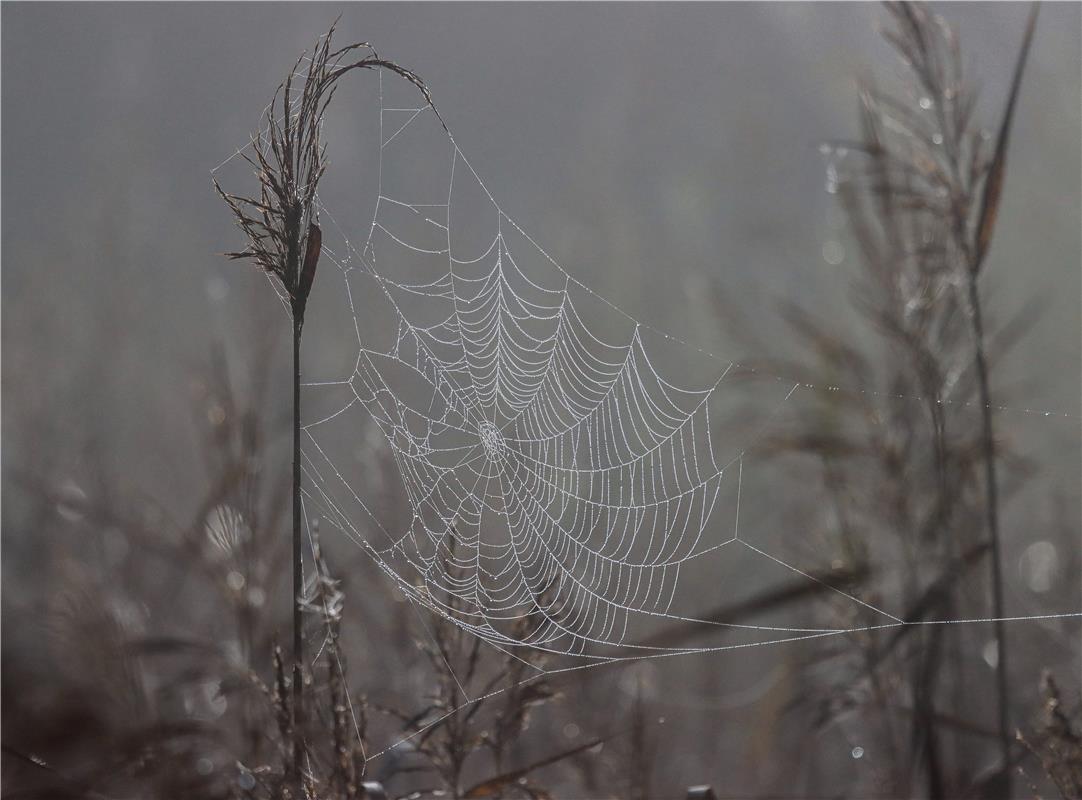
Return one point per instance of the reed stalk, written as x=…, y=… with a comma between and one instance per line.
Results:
x=289, y=159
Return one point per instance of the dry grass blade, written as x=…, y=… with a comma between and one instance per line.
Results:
x=993, y=186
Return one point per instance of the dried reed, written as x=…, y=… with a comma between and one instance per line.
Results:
x=921, y=191
x=289, y=160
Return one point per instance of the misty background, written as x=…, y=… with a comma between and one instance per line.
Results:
x=666, y=154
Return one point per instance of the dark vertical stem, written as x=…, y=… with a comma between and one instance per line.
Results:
x=924, y=706
x=992, y=512
x=985, y=225
x=298, y=571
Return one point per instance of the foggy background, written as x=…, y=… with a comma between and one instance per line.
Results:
x=667, y=155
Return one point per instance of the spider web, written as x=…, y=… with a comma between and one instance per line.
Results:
x=558, y=479
x=559, y=458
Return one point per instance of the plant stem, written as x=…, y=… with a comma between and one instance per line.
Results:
x=298, y=571
x=975, y=256
x=992, y=512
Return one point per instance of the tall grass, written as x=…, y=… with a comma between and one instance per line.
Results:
x=921, y=189
x=284, y=240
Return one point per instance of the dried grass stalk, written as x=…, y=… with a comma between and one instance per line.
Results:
x=284, y=239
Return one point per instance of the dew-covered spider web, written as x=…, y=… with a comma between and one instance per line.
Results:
x=558, y=466
x=559, y=477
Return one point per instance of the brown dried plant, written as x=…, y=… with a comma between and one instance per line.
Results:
x=284, y=239
x=920, y=189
